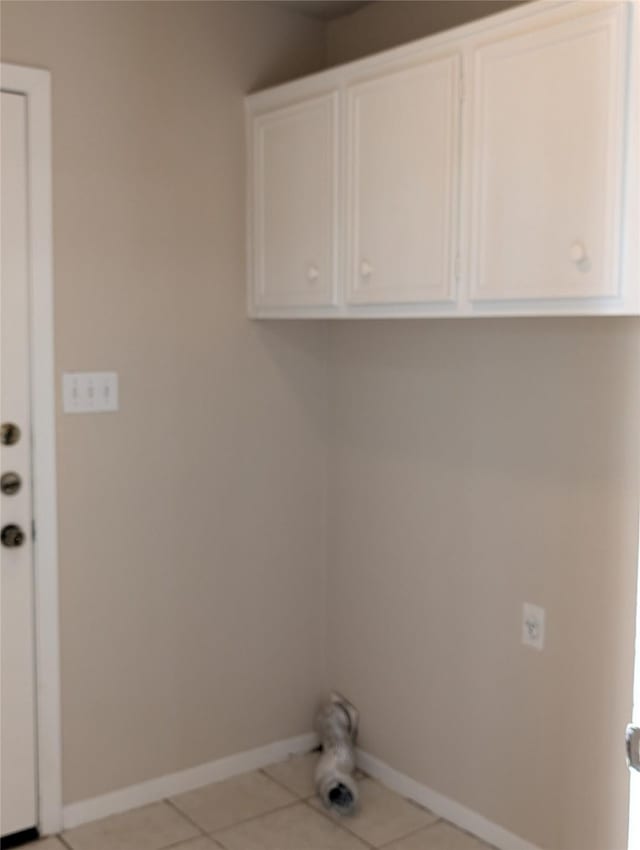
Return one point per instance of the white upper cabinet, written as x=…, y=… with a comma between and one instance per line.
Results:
x=402, y=161
x=294, y=181
x=547, y=146
x=490, y=170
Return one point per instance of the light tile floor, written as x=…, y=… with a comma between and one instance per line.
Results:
x=271, y=809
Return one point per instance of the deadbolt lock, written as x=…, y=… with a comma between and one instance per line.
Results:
x=12, y=536
x=10, y=483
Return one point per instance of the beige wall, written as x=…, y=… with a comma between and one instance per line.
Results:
x=476, y=465
x=192, y=522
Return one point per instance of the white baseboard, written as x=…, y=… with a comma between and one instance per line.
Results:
x=184, y=780
x=442, y=806
x=154, y=790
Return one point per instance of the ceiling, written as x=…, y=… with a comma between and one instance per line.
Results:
x=324, y=10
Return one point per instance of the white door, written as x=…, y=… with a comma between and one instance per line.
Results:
x=403, y=138
x=18, y=651
x=295, y=205
x=547, y=159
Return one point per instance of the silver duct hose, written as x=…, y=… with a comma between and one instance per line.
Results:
x=337, y=725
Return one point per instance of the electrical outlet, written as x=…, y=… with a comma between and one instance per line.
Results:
x=533, y=626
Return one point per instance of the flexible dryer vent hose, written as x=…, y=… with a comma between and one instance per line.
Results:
x=337, y=726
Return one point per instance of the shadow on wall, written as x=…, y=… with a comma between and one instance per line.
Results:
x=388, y=23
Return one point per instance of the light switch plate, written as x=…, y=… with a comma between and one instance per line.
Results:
x=90, y=392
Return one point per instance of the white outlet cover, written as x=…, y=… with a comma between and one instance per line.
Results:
x=533, y=623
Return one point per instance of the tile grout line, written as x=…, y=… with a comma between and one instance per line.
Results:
x=482, y=844
x=414, y=831
x=327, y=816
x=204, y=832
x=182, y=814
x=186, y=841
x=217, y=832
x=182, y=843
x=179, y=843
x=263, y=771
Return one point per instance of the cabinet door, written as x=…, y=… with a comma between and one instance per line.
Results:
x=294, y=205
x=403, y=142
x=546, y=155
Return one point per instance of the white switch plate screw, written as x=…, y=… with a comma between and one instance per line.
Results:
x=90, y=392
x=533, y=626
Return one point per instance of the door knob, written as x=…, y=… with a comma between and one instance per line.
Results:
x=366, y=269
x=312, y=274
x=10, y=434
x=12, y=536
x=10, y=483
x=633, y=746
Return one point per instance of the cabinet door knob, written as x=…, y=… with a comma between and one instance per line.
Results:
x=312, y=274
x=366, y=269
x=578, y=252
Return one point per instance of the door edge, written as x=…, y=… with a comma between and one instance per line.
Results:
x=35, y=85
